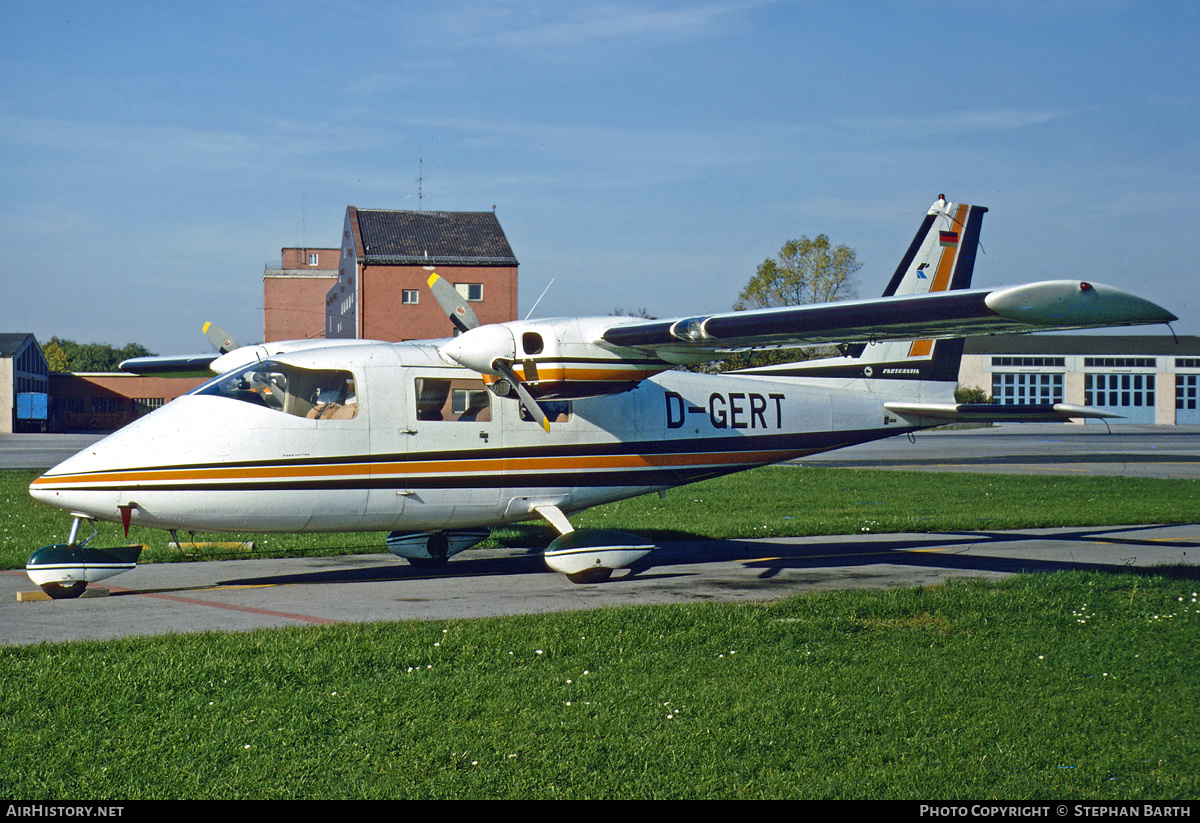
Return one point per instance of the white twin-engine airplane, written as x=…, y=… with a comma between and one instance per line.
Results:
x=435, y=441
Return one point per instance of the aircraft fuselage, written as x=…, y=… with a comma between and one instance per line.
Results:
x=389, y=437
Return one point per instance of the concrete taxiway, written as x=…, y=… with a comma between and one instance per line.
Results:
x=250, y=594
x=1169, y=452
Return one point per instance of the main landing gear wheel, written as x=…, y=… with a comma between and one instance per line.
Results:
x=59, y=591
x=439, y=552
x=591, y=555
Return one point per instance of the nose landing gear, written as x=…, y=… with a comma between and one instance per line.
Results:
x=63, y=570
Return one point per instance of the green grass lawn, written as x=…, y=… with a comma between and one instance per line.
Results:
x=1052, y=686
x=1061, y=686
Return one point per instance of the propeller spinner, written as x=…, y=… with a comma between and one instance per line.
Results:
x=486, y=349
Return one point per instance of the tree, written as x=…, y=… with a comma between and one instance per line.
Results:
x=970, y=394
x=90, y=357
x=56, y=358
x=804, y=271
x=620, y=312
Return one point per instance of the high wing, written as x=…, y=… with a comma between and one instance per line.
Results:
x=201, y=365
x=927, y=298
x=1046, y=306
x=185, y=365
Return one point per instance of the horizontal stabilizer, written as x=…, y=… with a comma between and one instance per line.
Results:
x=996, y=412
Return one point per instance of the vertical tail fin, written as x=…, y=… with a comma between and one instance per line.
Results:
x=941, y=257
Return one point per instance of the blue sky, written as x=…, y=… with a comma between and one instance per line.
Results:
x=154, y=157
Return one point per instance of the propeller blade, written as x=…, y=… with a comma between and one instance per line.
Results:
x=221, y=339
x=452, y=303
x=531, y=406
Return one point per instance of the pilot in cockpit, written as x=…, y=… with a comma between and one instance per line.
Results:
x=335, y=401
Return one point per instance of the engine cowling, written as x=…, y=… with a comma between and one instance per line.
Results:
x=552, y=359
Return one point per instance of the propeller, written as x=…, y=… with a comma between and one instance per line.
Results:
x=222, y=340
x=527, y=401
x=482, y=348
x=452, y=303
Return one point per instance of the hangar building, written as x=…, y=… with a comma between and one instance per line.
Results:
x=24, y=383
x=1149, y=379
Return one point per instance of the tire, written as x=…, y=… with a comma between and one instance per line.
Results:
x=59, y=591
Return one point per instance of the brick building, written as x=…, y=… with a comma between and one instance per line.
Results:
x=294, y=294
x=386, y=258
x=106, y=401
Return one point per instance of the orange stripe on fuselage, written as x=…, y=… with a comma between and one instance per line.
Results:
x=566, y=464
x=615, y=373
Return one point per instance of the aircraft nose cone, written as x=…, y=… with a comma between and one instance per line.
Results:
x=479, y=348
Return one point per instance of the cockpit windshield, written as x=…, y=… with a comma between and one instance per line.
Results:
x=316, y=394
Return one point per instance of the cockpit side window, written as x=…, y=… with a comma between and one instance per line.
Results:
x=315, y=394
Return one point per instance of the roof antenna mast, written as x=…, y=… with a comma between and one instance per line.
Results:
x=420, y=183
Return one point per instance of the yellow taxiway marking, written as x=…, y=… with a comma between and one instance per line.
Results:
x=247, y=586
x=35, y=596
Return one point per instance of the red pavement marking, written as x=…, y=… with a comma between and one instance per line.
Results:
x=304, y=618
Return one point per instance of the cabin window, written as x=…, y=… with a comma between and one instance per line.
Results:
x=556, y=411
x=315, y=394
x=464, y=400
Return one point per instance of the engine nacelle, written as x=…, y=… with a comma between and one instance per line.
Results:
x=553, y=359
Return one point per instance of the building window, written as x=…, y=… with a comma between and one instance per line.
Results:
x=1060, y=362
x=1014, y=389
x=1119, y=362
x=312, y=258
x=473, y=292
x=1185, y=391
x=145, y=405
x=410, y=297
x=1118, y=390
x=108, y=405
